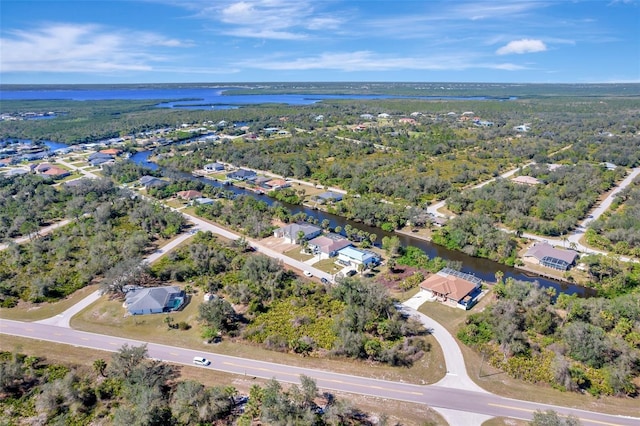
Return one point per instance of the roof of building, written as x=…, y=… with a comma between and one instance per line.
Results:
x=453, y=284
x=357, y=254
x=189, y=194
x=152, y=181
x=293, y=229
x=242, y=173
x=151, y=299
x=330, y=195
x=278, y=182
x=541, y=250
x=111, y=151
x=329, y=244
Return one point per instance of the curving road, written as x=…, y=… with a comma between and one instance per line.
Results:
x=436, y=396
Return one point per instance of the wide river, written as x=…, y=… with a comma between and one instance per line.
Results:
x=203, y=98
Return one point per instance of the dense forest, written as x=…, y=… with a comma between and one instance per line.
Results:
x=132, y=389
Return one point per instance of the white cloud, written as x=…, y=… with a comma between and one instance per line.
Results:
x=365, y=61
x=269, y=19
x=62, y=47
x=524, y=45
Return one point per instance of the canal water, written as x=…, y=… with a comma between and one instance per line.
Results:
x=482, y=268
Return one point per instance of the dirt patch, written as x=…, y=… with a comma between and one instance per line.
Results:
x=391, y=280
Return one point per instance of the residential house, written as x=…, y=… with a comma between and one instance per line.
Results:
x=16, y=172
x=406, y=120
x=52, y=171
x=189, y=195
x=151, y=181
x=277, y=184
x=291, y=232
x=453, y=288
x=328, y=245
x=366, y=116
x=328, y=197
x=242, y=174
x=384, y=115
x=111, y=151
x=213, y=167
x=526, y=180
x=354, y=256
x=204, y=200
x=542, y=253
x=153, y=300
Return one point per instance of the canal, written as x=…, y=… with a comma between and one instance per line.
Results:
x=482, y=268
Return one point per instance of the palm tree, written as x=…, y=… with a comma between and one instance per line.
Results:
x=100, y=365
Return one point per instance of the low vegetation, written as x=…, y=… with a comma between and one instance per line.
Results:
x=132, y=389
x=569, y=343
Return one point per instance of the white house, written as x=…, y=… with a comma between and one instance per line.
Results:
x=353, y=256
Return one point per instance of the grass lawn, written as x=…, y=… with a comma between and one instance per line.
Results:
x=175, y=203
x=498, y=382
x=40, y=311
x=328, y=265
x=294, y=253
x=107, y=317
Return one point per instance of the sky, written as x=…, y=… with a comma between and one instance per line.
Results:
x=186, y=41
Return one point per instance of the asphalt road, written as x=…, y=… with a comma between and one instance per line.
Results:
x=435, y=396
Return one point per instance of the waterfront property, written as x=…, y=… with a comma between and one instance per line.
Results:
x=296, y=232
x=190, y=194
x=154, y=300
x=213, y=167
x=453, y=288
x=545, y=254
x=151, y=181
x=351, y=256
x=329, y=196
x=242, y=174
x=328, y=245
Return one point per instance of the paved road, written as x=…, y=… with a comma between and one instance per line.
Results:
x=206, y=226
x=41, y=232
x=434, y=208
x=435, y=396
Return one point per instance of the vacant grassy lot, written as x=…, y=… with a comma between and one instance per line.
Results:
x=35, y=312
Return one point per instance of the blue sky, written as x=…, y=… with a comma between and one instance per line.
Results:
x=149, y=41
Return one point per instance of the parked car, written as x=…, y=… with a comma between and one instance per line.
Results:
x=307, y=274
x=351, y=272
x=198, y=360
x=324, y=280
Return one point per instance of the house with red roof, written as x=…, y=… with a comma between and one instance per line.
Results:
x=189, y=195
x=453, y=288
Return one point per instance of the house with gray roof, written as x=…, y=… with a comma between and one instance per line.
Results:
x=290, y=232
x=153, y=300
x=242, y=174
x=329, y=196
x=151, y=181
x=542, y=253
